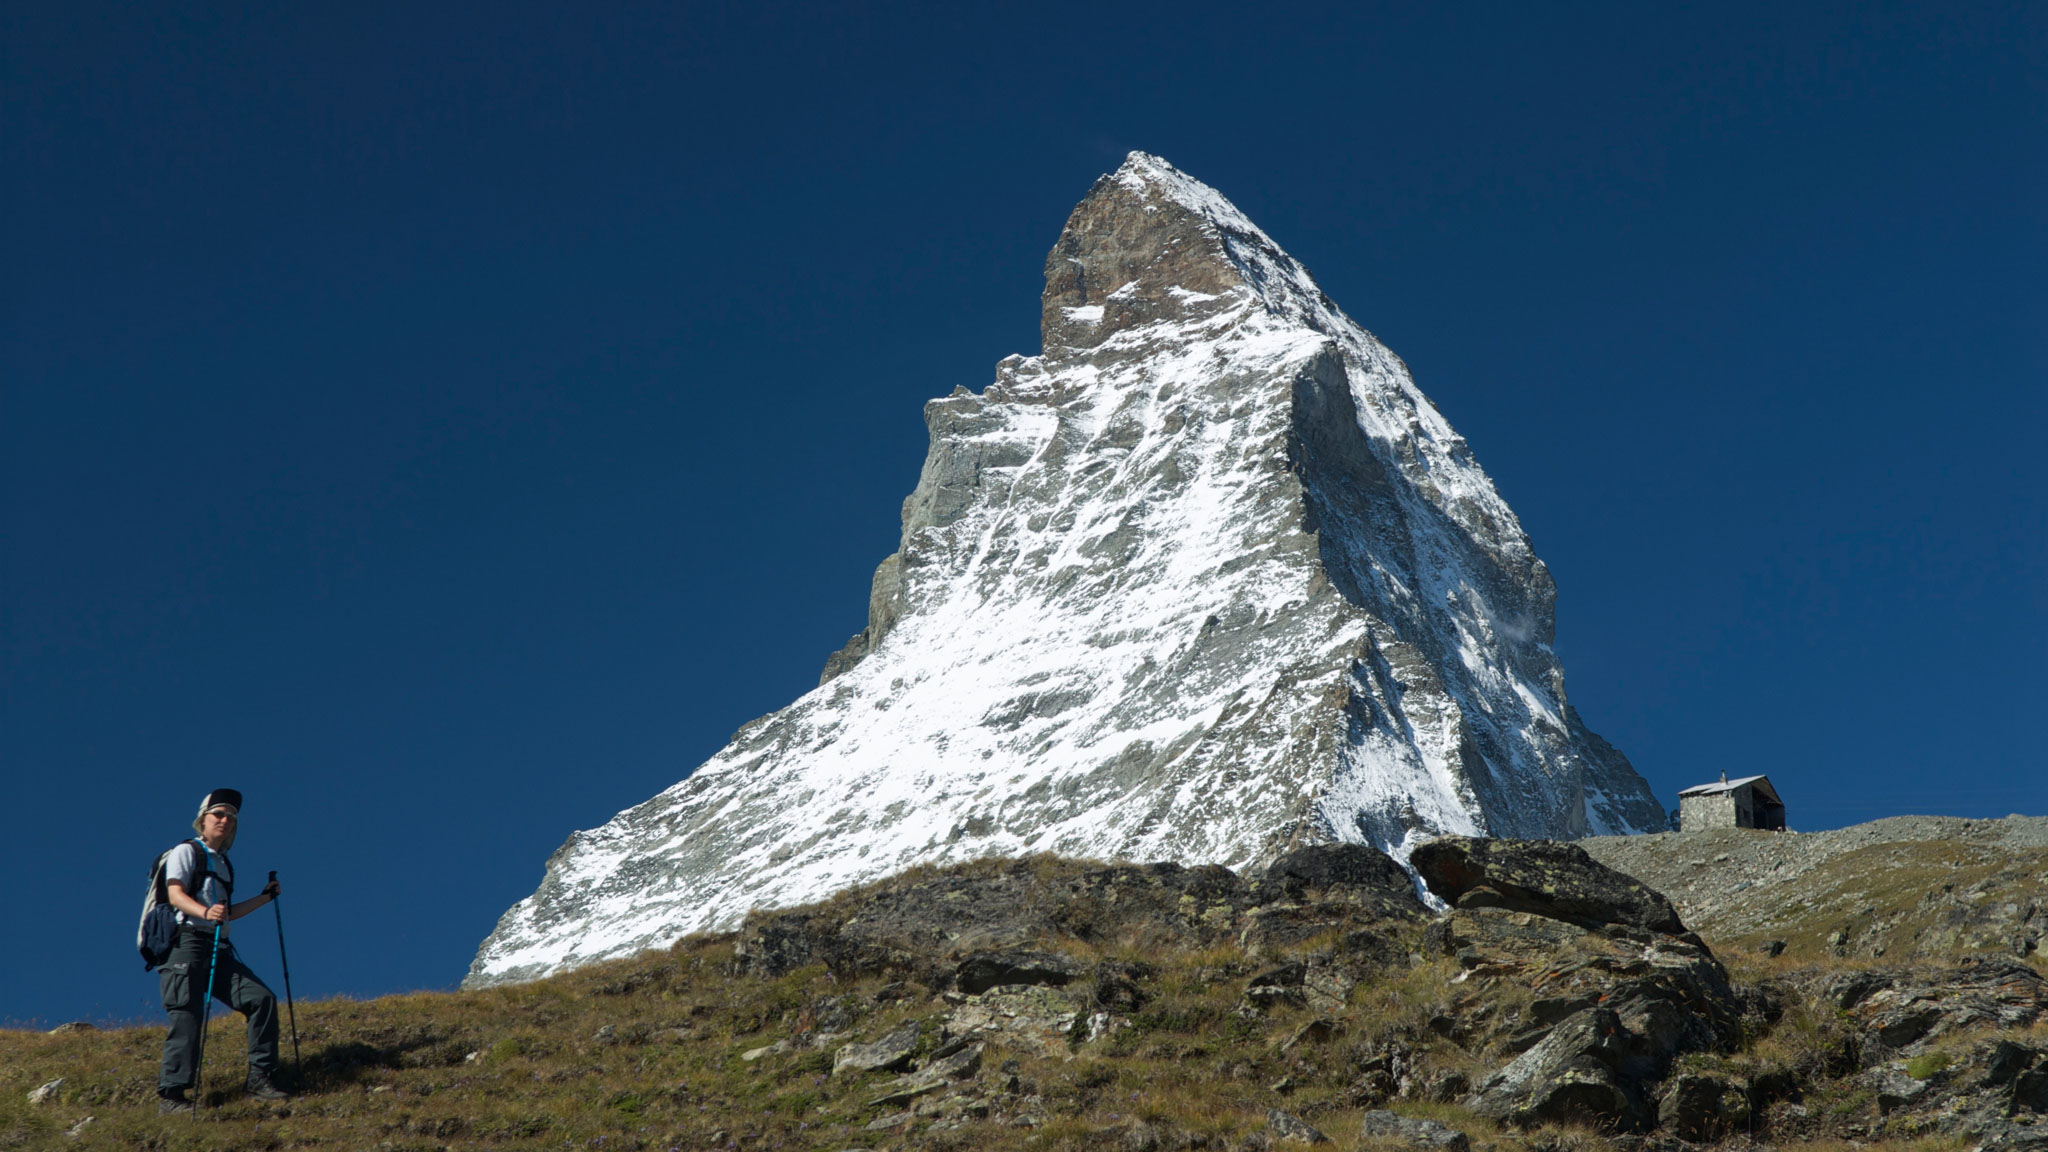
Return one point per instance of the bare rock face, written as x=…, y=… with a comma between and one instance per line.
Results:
x=1208, y=580
x=1907, y=1009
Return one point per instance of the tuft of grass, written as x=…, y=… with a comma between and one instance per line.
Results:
x=1928, y=1065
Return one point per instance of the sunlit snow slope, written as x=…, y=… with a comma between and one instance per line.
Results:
x=1208, y=578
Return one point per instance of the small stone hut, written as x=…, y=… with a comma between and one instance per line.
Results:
x=1750, y=802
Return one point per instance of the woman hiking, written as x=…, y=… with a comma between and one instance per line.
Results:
x=200, y=883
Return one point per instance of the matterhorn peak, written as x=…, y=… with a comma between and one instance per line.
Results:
x=1207, y=579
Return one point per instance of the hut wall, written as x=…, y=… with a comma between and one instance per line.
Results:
x=1698, y=813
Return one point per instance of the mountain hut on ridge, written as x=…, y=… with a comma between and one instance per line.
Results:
x=1750, y=802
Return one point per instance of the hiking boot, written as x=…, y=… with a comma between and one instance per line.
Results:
x=174, y=1101
x=261, y=1088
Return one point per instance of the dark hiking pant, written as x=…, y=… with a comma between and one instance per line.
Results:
x=184, y=989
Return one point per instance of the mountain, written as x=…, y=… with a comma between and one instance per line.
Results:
x=1208, y=579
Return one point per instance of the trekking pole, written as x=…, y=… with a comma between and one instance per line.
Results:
x=297, y=1070
x=205, y=1020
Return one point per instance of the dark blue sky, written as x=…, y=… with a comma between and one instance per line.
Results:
x=449, y=430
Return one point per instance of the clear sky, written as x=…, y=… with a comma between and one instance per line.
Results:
x=448, y=429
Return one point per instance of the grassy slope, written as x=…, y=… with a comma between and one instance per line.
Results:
x=670, y=1073
x=1927, y=897
x=646, y=1053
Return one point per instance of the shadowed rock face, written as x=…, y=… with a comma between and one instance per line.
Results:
x=1350, y=872
x=1621, y=994
x=1208, y=580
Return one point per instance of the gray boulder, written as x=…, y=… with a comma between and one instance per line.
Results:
x=1424, y=1134
x=891, y=1052
x=1292, y=1129
x=1544, y=877
x=1702, y=1108
x=1595, y=1054
x=1576, y=1073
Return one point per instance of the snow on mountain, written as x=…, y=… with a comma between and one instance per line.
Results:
x=1208, y=578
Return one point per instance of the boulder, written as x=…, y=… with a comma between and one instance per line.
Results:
x=46, y=1092
x=1035, y=1019
x=1545, y=877
x=1292, y=1129
x=1415, y=1133
x=1573, y=1074
x=985, y=970
x=891, y=1052
x=1700, y=1107
x=1350, y=873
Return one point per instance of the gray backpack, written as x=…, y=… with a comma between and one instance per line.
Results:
x=157, y=932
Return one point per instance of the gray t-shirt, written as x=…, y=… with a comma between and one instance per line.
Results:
x=183, y=868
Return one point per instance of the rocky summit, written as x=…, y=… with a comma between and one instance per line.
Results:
x=1207, y=580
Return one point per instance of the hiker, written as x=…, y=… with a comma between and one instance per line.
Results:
x=200, y=884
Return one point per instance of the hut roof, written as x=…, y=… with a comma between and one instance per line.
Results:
x=1763, y=787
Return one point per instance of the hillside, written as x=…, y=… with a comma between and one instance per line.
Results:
x=1896, y=889
x=1043, y=1003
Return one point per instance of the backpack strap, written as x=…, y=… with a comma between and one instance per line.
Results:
x=227, y=881
x=206, y=869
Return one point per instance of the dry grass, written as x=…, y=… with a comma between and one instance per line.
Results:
x=647, y=1054
x=1880, y=898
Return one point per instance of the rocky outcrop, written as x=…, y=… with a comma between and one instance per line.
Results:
x=978, y=928
x=1566, y=999
x=1904, y=1010
x=1208, y=580
x=1614, y=1007
x=1558, y=881
x=1617, y=992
